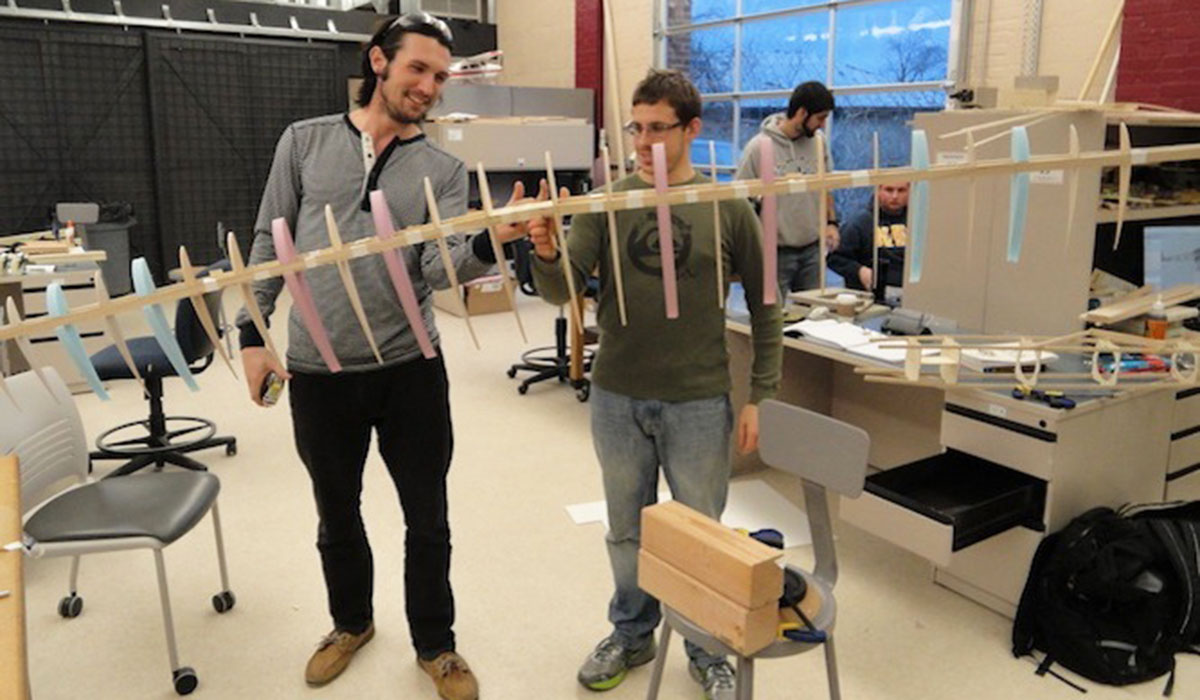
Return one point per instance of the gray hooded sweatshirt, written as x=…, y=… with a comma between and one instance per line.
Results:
x=798, y=213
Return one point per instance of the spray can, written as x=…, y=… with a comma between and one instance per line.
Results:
x=1156, y=320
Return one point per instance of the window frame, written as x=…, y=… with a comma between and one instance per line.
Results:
x=956, y=56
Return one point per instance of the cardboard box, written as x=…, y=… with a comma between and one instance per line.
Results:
x=482, y=296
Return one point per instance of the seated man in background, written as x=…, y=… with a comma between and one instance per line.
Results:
x=853, y=258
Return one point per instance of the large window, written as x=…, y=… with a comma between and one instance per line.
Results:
x=883, y=59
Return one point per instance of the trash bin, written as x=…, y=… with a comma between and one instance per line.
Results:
x=113, y=238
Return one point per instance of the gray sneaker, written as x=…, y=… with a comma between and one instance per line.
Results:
x=606, y=666
x=717, y=680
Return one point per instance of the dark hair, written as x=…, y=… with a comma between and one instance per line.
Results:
x=672, y=86
x=812, y=96
x=390, y=37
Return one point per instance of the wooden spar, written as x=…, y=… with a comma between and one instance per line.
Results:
x=1108, y=39
x=190, y=279
x=1125, y=173
x=718, y=250
x=256, y=317
x=114, y=330
x=563, y=253
x=447, y=260
x=23, y=344
x=994, y=124
x=770, y=224
x=822, y=211
x=875, y=214
x=972, y=191
x=343, y=268
x=1004, y=134
x=618, y=201
x=485, y=194
x=614, y=87
x=614, y=242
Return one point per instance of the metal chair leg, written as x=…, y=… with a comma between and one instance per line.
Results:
x=835, y=690
x=216, y=518
x=74, y=574
x=745, y=678
x=165, y=597
x=660, y=661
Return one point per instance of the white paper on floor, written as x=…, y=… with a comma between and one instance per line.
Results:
x=753, y=504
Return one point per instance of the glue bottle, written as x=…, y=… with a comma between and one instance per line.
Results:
x=1156, y=320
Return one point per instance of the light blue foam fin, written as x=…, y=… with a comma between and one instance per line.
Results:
x=918, y=229
x=68, y=335
x=1018, y=204
x=143, y=284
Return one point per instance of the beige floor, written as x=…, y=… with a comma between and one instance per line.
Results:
x=531, y=586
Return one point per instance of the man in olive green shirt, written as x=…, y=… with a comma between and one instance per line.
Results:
x=661, y=386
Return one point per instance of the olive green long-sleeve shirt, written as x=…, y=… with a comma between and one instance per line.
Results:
x=654, y=357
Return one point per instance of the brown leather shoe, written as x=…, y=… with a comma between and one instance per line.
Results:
x=333, y=655
x=451, y=676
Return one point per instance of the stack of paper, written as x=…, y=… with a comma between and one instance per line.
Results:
x=988, y=359
x=852, y=338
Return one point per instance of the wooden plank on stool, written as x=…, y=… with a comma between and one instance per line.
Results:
x=738, y=567
x=747, y=630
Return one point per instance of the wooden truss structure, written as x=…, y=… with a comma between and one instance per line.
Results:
x=291, y=266
x=937, y=361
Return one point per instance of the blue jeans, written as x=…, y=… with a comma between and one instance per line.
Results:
x=632, y=437
x=799, y=268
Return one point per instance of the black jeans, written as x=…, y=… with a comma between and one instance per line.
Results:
x=408, y=407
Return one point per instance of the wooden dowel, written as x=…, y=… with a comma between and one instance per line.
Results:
x=447, y=260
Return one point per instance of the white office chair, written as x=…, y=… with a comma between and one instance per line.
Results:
x=67, y=514
x=826, y=454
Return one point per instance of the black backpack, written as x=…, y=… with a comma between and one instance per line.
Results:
x=1113, y=598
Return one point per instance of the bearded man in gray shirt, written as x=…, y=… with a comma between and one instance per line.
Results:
x=338, y=160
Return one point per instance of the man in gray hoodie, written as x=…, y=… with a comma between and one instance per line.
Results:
x=791, y=134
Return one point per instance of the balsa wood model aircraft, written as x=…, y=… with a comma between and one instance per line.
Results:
x=291, y=266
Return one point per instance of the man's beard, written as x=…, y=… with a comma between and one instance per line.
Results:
x=395, y=113
x=808, y=133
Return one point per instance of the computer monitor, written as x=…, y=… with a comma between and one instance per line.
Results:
x=1171, y=256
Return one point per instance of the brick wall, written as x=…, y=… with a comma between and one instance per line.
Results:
x=1159, y=49
x=589, y=51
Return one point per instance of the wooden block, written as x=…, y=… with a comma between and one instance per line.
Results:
x=738, y=567
x=13, y=671
x=747, y=630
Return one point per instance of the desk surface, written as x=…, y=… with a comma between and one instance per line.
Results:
x=1090, y=397
x=13, y=669
x=76, y=260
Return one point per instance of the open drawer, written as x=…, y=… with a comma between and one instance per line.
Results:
x=941, y=504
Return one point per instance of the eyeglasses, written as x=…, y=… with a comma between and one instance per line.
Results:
x=416, y=20
x=654, y=129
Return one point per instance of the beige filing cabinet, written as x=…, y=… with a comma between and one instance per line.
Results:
x=1013, y=469
x=516, y=143
x=969, y=278
x=79, y=286
x=1183, y=461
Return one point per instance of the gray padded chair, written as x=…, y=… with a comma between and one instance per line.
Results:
x=149, y=510
x=826, y=454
